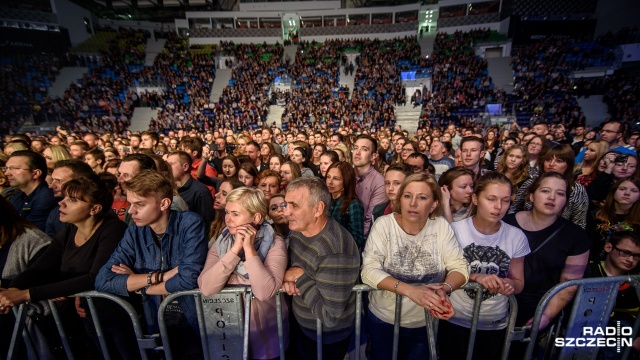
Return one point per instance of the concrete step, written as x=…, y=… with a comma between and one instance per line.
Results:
x=501, y=73
x=348, y=80
x=595, y=111
x=141, y=118
x=426, y=43
x=221, y=81
x=68, y=75
x=291, y=51
x=154, y=47
x=275, y=115
x=407, y=116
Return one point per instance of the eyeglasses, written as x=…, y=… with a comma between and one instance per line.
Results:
x=626, y=253
x=11, y=168
x=281, y=206
x=535, y=144
x=609, y=131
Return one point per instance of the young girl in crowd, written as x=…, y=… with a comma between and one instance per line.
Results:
x=248, y=174
x=620, y=212
x=456, y=185
x=276, y=214
x=289, y=171
x=326, y=160
x=495, y=252
x=275, y=162
x=514, y=164
x=269, y=183
x=220, y=201
x=587, y=170
x=249, y=252
x=393, y=179
x=345, y=207
x=559, y=159
x=559, y=251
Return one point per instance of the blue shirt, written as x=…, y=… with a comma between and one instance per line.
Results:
x=36, y=206
x=184, y=244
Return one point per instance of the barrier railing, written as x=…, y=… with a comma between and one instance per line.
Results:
x=224, y=323
x=592, y=305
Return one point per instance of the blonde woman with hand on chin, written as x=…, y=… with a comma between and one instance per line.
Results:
x=249, y=252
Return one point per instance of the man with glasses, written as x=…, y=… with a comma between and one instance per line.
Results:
x=622, y=256
x=612, y=133
x=27, y=170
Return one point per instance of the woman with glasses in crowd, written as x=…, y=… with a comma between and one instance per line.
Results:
x=249, y=252
x=559, y=251
x=407, y=149
x=620, y=212
x=345, y=207
x=456, y=185
x=495, y=252
x=536, y=147
x=411, y=246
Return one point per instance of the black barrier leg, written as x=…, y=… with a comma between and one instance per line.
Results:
x=396, y=327
x=279, y=322
x=474, y=322
x=247, y=321
x=96, y=324
x=358, y=322
x=319, y=338
x=21, y=315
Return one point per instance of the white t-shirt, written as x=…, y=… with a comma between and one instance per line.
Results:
x=486, y=254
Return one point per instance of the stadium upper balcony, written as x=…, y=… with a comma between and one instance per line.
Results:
x=28, y=15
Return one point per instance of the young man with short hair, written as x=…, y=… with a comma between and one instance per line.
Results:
x=193, y=192
x=472, y=152
x=370, y=185
x=163, y=253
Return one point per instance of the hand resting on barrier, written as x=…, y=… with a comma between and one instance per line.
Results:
x=12, y=297
x=289, y=280
x=493, y=283
x=431, y=297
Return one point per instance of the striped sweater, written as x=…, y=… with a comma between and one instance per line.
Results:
x=331, y=263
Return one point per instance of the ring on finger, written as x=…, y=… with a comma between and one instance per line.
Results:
x=430, y=304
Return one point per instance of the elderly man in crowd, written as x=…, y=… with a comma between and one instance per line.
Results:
x=325, y=262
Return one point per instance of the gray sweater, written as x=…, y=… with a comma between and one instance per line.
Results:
x=22, y=250
x=331, y=264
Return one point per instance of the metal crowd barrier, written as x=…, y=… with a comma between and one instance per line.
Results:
x=592, y=305
x=223, y=321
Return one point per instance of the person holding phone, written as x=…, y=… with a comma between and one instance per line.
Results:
x=249, y=252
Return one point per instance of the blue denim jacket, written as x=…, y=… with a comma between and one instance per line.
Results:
x=184, y=245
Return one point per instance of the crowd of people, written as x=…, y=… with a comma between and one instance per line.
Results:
x=311, y=212
x=212, y=196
